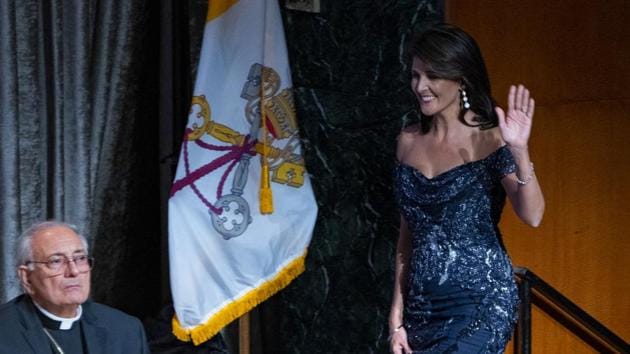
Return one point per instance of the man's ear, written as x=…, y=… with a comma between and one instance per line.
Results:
x=23, y=273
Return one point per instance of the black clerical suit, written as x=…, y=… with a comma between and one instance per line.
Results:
x=105, y=330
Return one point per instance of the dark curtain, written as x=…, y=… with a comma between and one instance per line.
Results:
x=79, y=136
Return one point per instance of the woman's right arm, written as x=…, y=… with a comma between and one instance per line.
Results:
x=397, y=333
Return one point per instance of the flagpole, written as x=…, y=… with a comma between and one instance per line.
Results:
x=244, y=334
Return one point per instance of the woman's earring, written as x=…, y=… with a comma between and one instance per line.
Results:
x=464, y=98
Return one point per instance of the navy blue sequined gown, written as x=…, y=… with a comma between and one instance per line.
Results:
x=462, y=297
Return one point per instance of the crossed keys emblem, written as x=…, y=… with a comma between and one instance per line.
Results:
x=231, y=213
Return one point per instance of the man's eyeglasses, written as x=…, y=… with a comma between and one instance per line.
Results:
x=56, y=263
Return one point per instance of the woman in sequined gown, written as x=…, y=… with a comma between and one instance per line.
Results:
x=454, y=289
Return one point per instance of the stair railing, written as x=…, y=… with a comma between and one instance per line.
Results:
x=534, y=290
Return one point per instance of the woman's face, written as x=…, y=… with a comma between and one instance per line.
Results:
x=437, y=97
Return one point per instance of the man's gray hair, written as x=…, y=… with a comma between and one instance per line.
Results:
x=23, y=245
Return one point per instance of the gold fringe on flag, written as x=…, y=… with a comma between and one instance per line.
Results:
x=240, y=306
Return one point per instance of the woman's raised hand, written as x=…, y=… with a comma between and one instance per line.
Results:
x=516, y=126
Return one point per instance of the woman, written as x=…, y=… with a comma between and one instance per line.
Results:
x=454, y=289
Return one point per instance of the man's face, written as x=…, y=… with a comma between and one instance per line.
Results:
x=63, y=290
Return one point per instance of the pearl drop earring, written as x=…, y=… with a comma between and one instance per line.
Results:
x=464, y=98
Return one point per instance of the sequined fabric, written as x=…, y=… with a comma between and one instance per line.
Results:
x=461, y=297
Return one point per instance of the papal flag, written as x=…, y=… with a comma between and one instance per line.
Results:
x=240, y=146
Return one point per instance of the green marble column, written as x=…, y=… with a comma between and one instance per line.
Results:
x=351, y=80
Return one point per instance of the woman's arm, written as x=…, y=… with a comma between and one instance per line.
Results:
x=397, y=333
x=522, y=186
x=526, y=197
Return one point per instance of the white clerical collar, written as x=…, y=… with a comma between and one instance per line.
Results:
x=64, y=323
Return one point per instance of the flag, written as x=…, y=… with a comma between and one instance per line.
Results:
x=225, y=256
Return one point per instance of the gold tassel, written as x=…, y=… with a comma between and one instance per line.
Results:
x=266, y=196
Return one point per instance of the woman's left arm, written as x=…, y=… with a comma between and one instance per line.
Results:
x=521, y=186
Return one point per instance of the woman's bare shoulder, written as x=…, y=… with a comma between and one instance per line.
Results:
x=407, y=139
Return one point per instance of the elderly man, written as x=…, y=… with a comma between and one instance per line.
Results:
x=54, y=314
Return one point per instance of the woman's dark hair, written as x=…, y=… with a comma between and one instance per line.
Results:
x=453, y=54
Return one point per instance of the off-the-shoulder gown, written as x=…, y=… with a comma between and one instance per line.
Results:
x=461, y=294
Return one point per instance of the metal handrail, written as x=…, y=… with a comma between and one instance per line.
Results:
x=532, y=289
